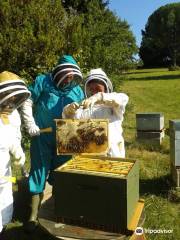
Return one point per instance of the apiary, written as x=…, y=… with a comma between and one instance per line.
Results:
x=97, y=192
x=78, y=136
x=150, y=128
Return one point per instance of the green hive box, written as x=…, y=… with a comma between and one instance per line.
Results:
x=98, y=200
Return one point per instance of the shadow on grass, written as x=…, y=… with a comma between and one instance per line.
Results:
x=15, y=230
x=140, y=145
x=18, y=233
x=156, y=186
x=160, y=77
x=21, y=201
x=138, y=72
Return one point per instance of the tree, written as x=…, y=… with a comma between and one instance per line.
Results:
x=81, y=6
x=160, y=42
x=33, y=34
x=106, y=41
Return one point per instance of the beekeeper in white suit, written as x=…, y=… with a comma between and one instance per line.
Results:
x=102, y=103
x=13, y=93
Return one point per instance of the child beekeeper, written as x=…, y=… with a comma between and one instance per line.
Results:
x=102, y=103
x=13, y=92
x=50, y=92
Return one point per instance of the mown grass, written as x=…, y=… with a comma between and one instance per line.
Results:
x=154, y=90
x=149, y=90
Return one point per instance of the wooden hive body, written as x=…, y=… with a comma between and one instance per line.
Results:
x=149, y=122
x=82, y=136
x=150, y=128
x=174, y=127
x=99, y=198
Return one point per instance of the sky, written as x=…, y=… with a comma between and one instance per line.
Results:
x=136, y=12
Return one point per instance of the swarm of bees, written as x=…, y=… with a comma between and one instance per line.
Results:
x=81, y=136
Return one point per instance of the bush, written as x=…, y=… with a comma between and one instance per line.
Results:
x=174, y=68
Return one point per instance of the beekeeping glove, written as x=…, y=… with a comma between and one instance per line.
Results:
x=111, y=99
x=69, y=110
x=27, y=115
x=115, y=100
x=18, y=153
x=21, y=160
x=89, y=102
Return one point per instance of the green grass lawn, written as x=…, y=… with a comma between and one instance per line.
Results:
x=149, y=90
x=152, y=90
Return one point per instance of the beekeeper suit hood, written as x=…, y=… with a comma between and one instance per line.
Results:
x=13, y=91
x=100, y=76
x=66, y=74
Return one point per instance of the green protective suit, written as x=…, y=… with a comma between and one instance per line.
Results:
x=48, y=102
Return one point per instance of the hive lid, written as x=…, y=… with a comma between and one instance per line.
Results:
x=82, y=136
x=174, y=125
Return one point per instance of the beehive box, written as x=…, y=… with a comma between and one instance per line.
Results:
x=175, y=173
x=152, y=138
x=97, y=192
x=149, y=121
x=174, y=129
x=88, y=136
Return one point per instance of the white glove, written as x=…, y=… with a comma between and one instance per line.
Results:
x=69, y=110
x=19, y=155
x=27, y=115
x=21, y=160
x=117, y=101
x=34, y=130
x=89, y=102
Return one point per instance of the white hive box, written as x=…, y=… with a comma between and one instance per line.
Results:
x=174, y=130
x=150, y=128
x=149, y=121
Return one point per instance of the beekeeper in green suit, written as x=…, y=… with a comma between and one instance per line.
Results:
x=49, y=94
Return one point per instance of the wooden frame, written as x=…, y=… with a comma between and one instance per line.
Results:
x=82, y=136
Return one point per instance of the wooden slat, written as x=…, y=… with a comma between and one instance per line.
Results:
x=71, y=133
x=136, y=216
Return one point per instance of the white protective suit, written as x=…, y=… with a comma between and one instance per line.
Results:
x=109, y=106
x=10, y=143
x=13, y=92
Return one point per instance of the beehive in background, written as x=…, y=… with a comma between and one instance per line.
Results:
x=150, y=128
x=97, y=192
x=149, y=121
x=82, y=136
x=174, y=130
